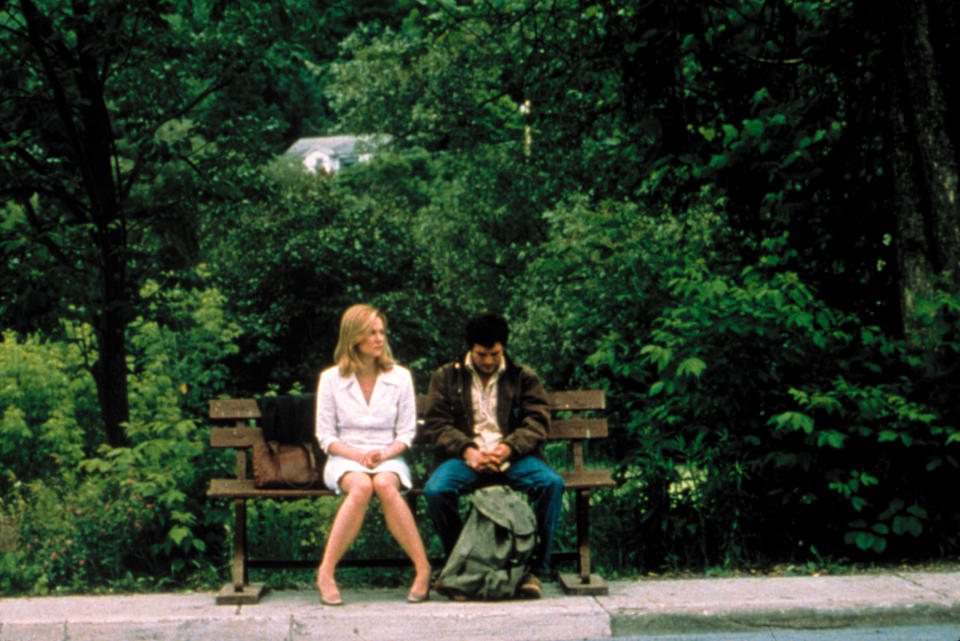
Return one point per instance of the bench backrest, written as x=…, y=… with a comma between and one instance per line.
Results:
x=570, y=425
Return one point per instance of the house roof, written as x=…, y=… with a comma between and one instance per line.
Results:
x=335, y=146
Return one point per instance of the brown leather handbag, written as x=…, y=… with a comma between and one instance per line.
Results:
x=282, y=465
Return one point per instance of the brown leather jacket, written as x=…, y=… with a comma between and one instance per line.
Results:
x=522, y=410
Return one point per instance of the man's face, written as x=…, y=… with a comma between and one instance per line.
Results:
x=486, y=360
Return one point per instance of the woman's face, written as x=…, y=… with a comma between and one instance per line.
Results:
x=372, y=344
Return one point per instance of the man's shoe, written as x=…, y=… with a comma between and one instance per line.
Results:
x=530, y=587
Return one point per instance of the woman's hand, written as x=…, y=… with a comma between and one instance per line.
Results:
x=372, y=459
x=376, y=457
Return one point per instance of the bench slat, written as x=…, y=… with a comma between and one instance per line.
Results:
x=245, y=489
x=563, y=400
x=234, y=408
x=571, y=428
x=587, y=479
x=560, y=429
x=576, y=400
x=235, y=436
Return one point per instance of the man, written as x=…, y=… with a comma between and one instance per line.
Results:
x=488, y=418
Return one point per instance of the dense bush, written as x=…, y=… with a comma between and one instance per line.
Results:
x=128, y=517
x=752, y=423
x=290, y=267
x=702, y=207
x=48, y=402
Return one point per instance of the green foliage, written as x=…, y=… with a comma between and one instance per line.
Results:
x=895, y=442
x=178, y=347
x=686, y=202
x=593, y=289
x=97, y=533
x=753, y=422
x=854, y=449
x=480, y=224
x=46, y=397
x=133, y=517
x=143, y=125
x=424, y=87
x=290, y=267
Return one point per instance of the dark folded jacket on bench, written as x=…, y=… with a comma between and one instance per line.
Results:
x=287, y=419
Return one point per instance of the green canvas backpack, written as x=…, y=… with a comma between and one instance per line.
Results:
x=493, y=552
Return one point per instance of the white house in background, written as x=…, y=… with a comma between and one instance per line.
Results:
x=332, y=153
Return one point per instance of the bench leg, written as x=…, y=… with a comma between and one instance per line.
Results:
x=239, y=591
x=583, y=582
x=583, y=534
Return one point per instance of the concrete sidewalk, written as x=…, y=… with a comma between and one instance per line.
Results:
x=654, y=606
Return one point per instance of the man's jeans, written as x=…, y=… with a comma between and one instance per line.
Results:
x=529, y=475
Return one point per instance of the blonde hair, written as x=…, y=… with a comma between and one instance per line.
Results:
x=355, y=324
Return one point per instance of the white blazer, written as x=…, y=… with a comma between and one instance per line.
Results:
x=343, y=413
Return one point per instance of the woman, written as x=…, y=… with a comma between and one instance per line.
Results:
x=366, y=418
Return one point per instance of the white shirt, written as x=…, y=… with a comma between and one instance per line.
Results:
x=344, y=415
x=484, y=400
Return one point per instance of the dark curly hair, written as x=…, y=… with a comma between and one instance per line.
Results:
x=487, y=330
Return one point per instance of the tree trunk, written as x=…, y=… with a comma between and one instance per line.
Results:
x=925, y=169
x=916, y=272
x=73, y=75
x=95, y=138
x=110, y=374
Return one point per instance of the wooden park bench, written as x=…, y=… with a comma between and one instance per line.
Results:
x=242, y=413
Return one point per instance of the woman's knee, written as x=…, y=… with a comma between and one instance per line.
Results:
x=357, y=486
x=386, y=485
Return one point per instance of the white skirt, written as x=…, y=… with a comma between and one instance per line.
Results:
x=337, y=466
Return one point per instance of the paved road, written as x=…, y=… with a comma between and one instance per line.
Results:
x=897, y=633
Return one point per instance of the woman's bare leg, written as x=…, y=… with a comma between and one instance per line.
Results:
x=358, y=488
x=403, y=527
